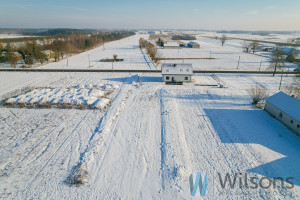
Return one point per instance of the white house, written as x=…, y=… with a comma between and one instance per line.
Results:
x=286, y=109
x=177, y=73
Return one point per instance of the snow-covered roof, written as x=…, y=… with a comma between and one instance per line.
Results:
x=184, y=69
x=286, y=103
x=297, y=57
x=192, y=43
x=172, y=44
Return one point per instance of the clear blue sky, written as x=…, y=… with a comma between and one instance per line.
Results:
x=186, y=14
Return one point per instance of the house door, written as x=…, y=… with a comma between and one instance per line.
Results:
x=173, y=79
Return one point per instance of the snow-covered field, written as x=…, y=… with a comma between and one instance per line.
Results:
x=148, y=141
x=227, y=57
x=127, y=49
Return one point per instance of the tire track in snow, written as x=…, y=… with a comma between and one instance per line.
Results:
x=163, y=140
x=57, y=150
x=104, y=127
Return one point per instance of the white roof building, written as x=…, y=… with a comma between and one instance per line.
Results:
x=286, y=109
x=177, y=73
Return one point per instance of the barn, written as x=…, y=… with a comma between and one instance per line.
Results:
x=193, y=45
x=177, y=73
x=286, y=109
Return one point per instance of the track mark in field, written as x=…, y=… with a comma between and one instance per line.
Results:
x=71, y=135
x=163, y=140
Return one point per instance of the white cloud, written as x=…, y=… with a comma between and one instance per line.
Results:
x=196, y=10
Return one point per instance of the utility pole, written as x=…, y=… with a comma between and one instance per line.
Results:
x=238, y=62
x=89, y=60
x=67, y=61
x=260, y=64
x=112, y=65
x=280, y=80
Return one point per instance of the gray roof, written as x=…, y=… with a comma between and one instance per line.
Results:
x=286, y=103
x=172, y=69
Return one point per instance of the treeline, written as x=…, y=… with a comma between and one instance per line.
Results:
x=262, y=33
x=43, y=49
x=183, y=37
x=151, y=50
x=47, y=32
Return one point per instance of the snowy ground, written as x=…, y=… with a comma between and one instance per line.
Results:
x=147, y=142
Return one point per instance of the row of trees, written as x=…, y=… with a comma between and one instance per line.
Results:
x=58, y=46
x=151, y=50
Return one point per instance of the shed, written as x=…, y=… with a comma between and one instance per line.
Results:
x=193, y=45
x=286, y=109
x=177, y=73
x=171, y=45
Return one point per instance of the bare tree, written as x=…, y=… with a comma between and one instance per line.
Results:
x=254, y=46
x=277, y=59
x=223, y=39
x=257, y=94
x=115, y=56
x=246, y=47
x=12, y=58
x=293, y=91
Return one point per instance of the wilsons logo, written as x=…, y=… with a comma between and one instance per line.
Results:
x=198, y=184
x=242, y=180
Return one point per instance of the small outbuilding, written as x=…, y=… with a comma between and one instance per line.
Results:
x=193, y=45
x=176, y=73
x=171, y=45
x=286, y=109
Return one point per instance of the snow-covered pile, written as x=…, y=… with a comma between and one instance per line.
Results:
x=79, y=96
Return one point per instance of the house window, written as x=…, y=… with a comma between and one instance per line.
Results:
x=167, y=70
x=167, y=77
x=186, y=78
x=181, y=70
x=292, y=121
x=280, y=115
x=187, y=70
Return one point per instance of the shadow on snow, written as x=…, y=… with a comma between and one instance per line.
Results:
x=258, y=127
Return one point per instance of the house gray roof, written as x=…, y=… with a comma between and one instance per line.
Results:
x=174, y=69
x=286, y=104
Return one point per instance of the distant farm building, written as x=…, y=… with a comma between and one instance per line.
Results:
x=286, y=109
x=182, y=44
x=193, y=45
x=171, y=45
x=293, y=58
x=177, y=73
